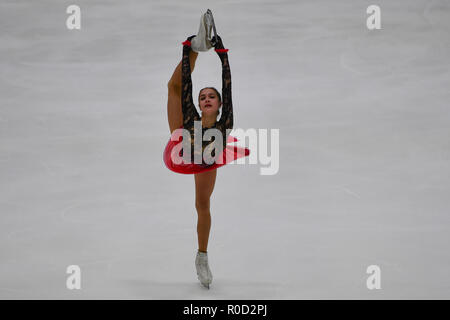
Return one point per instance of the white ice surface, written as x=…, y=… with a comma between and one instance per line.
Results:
x=364, y=174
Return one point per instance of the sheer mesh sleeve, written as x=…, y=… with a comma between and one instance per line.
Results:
x=190, y=114
x=226, y=119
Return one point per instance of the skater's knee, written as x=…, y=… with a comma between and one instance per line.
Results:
x=202, y=204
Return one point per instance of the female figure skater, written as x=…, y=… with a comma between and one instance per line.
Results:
x=182, y=113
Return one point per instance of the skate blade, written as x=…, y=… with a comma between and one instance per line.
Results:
x=212, y=23
x=206, y=285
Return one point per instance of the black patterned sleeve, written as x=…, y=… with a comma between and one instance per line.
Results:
x=190, y=114
x=226, y=119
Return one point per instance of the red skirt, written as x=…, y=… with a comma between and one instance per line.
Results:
x=174, y=161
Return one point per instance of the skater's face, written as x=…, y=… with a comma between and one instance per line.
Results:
x=209, y=102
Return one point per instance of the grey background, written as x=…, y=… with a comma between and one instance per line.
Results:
x=364, y=151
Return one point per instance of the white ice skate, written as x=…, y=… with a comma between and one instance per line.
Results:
x=202, y=41
x=203, y=272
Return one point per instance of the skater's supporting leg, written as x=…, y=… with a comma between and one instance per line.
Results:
x=204, y=186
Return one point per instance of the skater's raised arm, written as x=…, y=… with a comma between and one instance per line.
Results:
x=190, y=114
x=226, y=119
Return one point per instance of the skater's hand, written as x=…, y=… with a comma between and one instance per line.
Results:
x=190, y=38
x=217, y=42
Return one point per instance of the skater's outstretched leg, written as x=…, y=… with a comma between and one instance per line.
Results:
x=174, y=112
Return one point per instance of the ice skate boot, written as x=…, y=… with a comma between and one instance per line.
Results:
x=202, y=41
x=203, y=272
